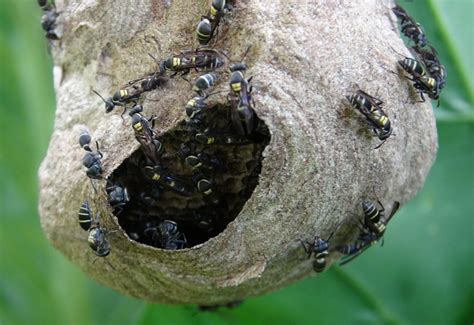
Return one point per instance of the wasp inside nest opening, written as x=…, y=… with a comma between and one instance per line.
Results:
x=201, y=183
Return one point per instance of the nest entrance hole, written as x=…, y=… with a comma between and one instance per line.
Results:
x=233, y=173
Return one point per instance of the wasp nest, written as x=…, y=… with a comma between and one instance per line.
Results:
x=308, y=159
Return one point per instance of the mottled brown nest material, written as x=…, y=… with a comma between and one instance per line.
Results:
x=306, y=56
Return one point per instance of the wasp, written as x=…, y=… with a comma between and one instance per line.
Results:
x=157, y=174
x=204, y=221
x=170, y=237
x=167, y=234
x=194, y=110
x=422, y=80
x=209, y=24
x=203, y=161
x=374, y=219
x=97, y=234
x=201, y=59
x=204, y=31
x=203, y=184
x=146, y=135
x=371, y=108
x=409, y=27
x=372, y=229
x=320, y=248
x=48, y=20
x=207, y=137
x=118, y=196
x=204, y=82
x=241, y=103
x=365, y=240
x=92, y=160
x=199, y=160
x=133, y=90
x=432, y=64
x=150, y=198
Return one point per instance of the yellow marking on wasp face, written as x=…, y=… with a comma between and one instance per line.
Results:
x=211, y=140
x=156, y=177
x=172, y=184
x=123, y=92
x=236, y=87
x=137, y=127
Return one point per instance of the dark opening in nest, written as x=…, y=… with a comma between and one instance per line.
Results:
x=232, y=169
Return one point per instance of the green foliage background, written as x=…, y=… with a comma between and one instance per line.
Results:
x=424, y=274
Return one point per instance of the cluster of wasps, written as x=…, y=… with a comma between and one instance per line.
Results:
x=48, y=19
x=424, y=70
x=205, y=145
x=428, y=76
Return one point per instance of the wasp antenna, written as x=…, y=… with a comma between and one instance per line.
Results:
x=93, y=185
x=395, y=73
x=380, y=144
x=398, y=52
x=352, y=213
x=246, y=52
x=95, y=92
x=334, y=231
x=109, y=264
x=224, y=54
x=154, y=59
x=151, y=100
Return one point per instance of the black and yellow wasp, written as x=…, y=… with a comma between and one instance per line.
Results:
x=372, y=229
x=320, y=248
x=92, y=160
x=97, y=234
x=241, y=102
x=422, y=80
x=201, y=59
x=433, y=65
x=208, y=25
x=146, y=135
x=409, y=27
x=48, y=20
x=210, y=137
x=159, y=175
x=131, y=93
x=371, y=108
x=167, y=234
x=204, y=82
